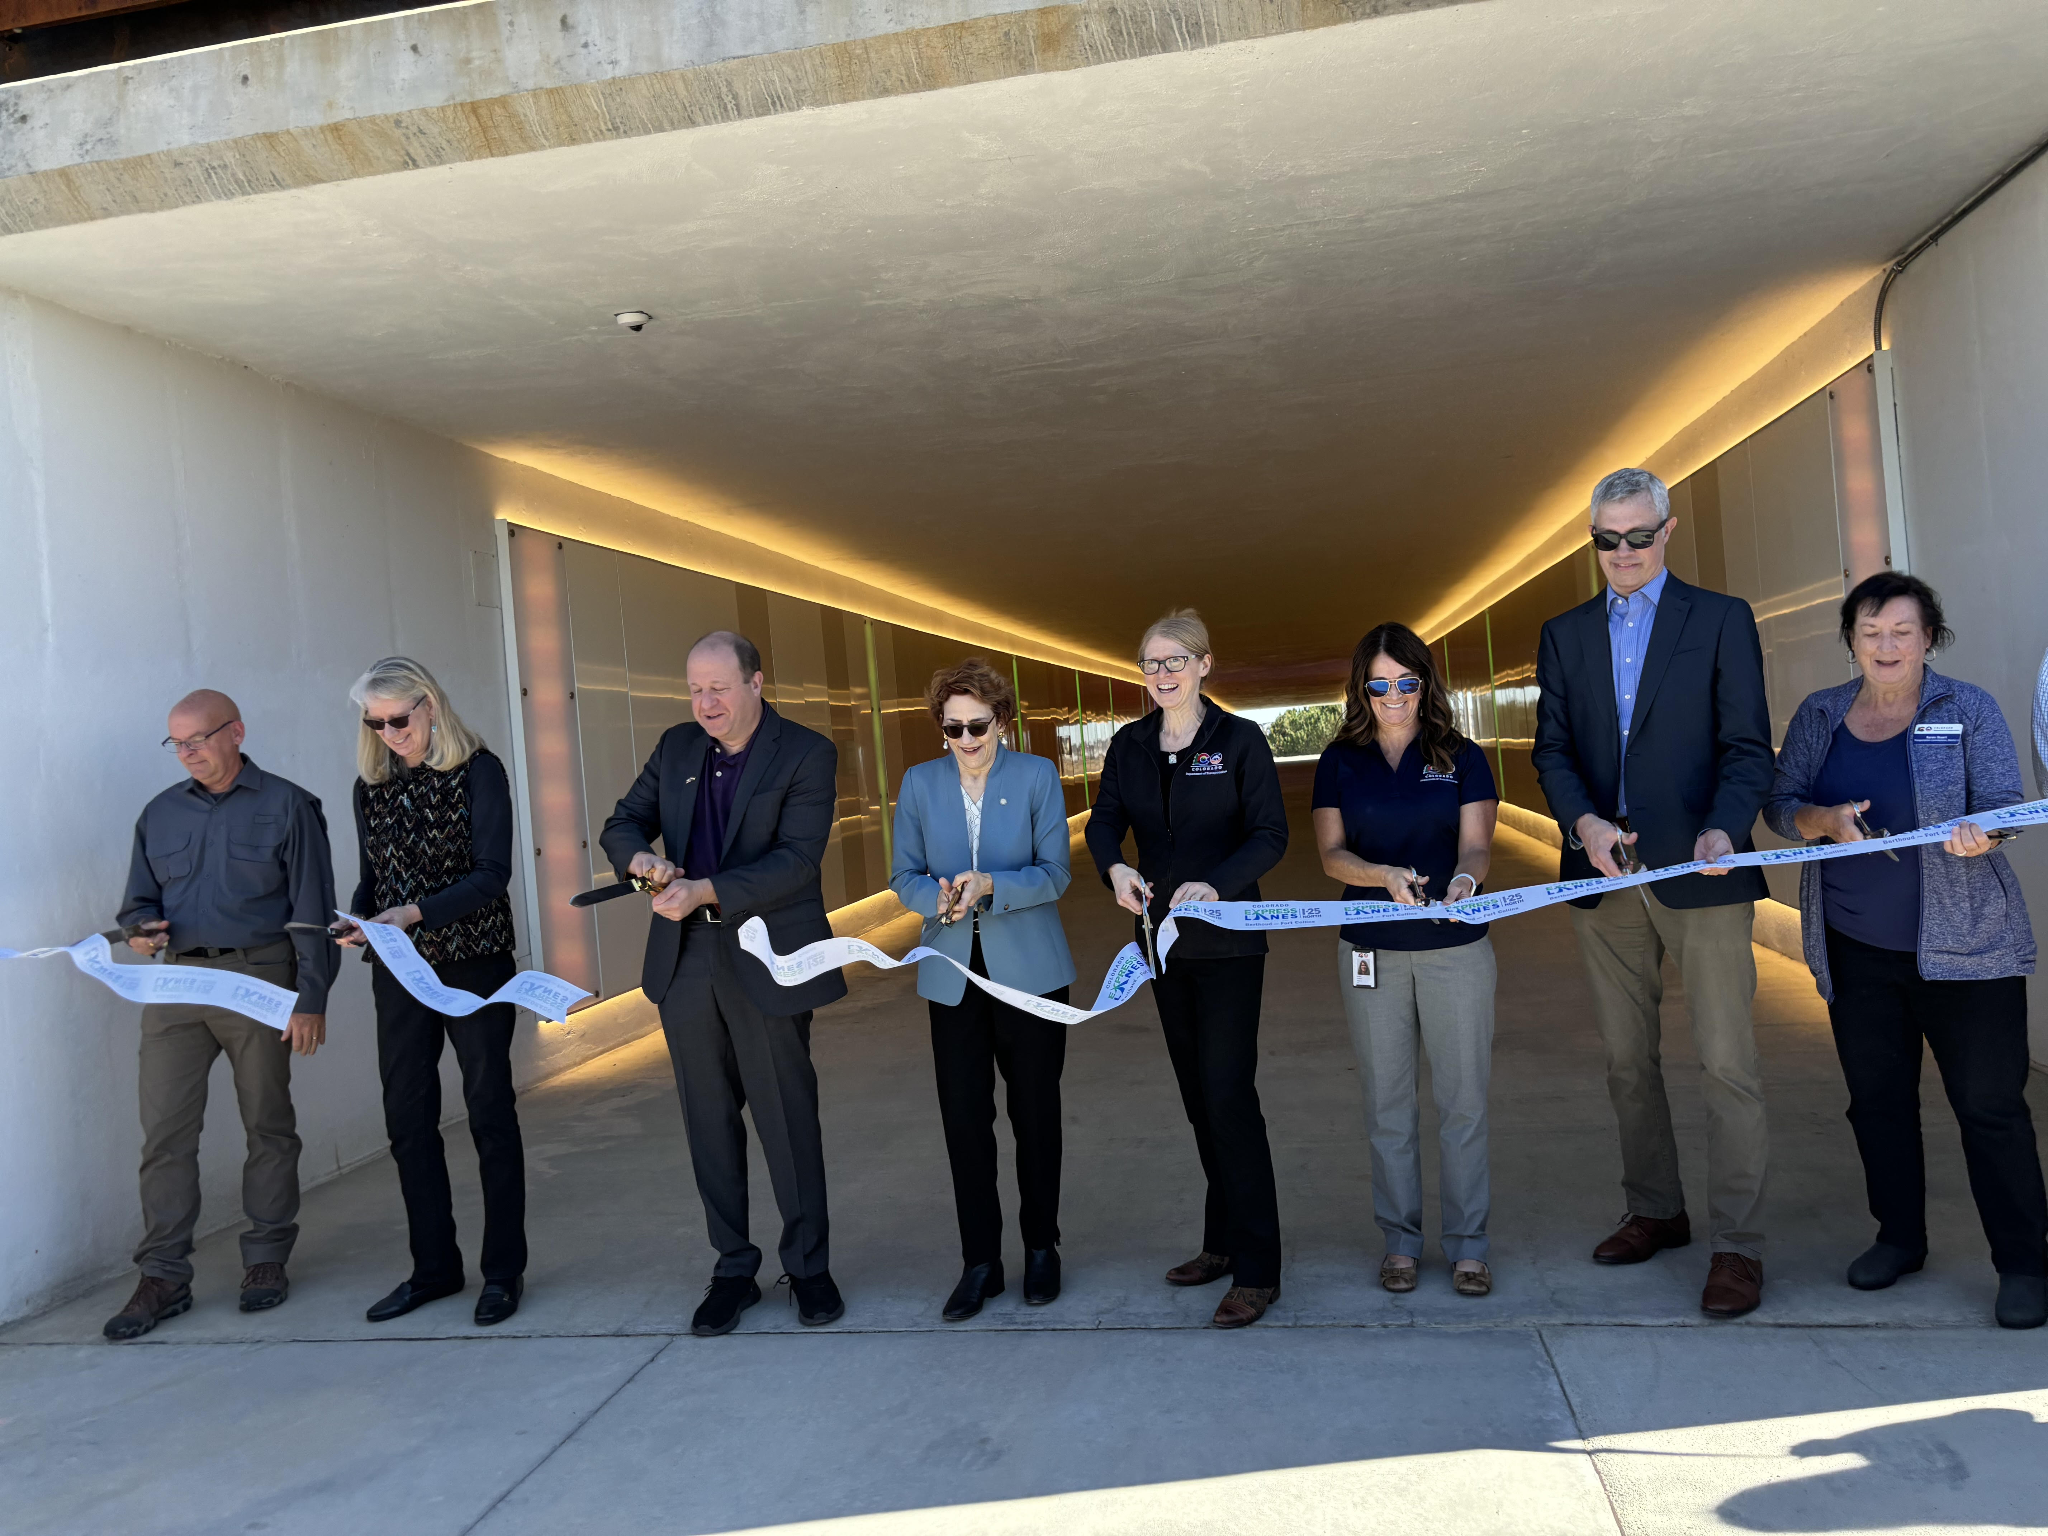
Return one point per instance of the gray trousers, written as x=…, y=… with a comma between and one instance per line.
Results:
x=1624, y=943
x=179, y=1044
x=1441, y=999
x=729, y=1056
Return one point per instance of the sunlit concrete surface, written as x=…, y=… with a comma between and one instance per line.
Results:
x=1574, y=1399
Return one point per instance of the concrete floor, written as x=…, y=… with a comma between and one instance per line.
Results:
x=1575, y=1398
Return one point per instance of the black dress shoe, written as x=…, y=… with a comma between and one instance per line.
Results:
x=499, y=1300
x=1041, y=1276
x=725, y=1298
x=1881, y=1264
x=2022, y=1301
x=406, y=1297
x=978, y=1282
x=817, y=1299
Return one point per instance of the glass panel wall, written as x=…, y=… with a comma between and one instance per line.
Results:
x=602, y=642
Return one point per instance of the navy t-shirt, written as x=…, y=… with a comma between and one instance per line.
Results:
x=1405, y=816
x=1870, y=898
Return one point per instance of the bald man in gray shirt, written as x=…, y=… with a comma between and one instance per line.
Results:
x=222, y=862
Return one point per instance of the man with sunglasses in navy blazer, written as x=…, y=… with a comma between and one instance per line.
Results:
x=1653, y=747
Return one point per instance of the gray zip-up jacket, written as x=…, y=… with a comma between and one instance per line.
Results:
x=1973, y=919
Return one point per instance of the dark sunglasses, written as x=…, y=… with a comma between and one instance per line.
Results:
x=975, y=728
x=1607, y=541
x=1379, y=687
x=394, y=722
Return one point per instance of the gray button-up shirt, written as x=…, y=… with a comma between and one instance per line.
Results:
x=229, y=872
x=1629, y=620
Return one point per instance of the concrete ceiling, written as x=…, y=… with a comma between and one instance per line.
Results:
x=1310, y=331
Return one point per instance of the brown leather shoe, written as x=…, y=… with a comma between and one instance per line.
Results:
x=1643, y=1237
x=1205, y=1268
x=1243, y=1305
x=1735, y=1285
x=264, y=1286
x=1398, y=1277
x=153, y=1301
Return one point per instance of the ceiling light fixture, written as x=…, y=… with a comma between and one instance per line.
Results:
x=633, y=319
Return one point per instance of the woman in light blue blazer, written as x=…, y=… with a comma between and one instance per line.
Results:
x=981, y=856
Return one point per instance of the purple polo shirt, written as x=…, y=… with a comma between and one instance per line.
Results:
x=716, y=786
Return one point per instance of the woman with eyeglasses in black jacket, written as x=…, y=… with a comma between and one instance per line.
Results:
x=1196, y=787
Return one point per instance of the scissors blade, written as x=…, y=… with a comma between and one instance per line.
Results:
x=611, y=892
x=1864, y=827
x=1151, y=954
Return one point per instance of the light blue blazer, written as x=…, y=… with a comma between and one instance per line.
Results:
x=1023, y=849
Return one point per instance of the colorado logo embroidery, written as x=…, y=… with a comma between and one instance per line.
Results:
x=1207, y=762
x=1438, y=776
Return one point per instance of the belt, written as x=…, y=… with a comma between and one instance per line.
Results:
x=208, y=952
x=707, y=916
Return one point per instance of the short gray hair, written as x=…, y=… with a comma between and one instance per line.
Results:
x=744, y=651
x=1627, y=485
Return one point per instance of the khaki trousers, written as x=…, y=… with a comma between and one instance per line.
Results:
x=179, y=1044
x=1624, y=942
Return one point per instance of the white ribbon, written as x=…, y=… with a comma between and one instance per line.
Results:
x=1128, y=971
x=199, y=985
x=549, y=996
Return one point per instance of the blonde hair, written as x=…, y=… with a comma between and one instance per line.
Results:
x=1183, y=626
x=400, y=677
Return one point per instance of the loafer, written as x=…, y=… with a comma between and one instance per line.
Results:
x=1643, y=1237
x=1041, y=1276
x=978, y=1282
x=154, y=1300
x=1205, y=1268
x=1243, y=1305
x=264, y=1286
x=407, y=1296
x=725, y=1298
x=817, y=1299
x=2022, y=1301
x=500, y=1299
x=1880, y=1265
x=1735, y=1285
x=1472, y=1282
x=1398, y=1277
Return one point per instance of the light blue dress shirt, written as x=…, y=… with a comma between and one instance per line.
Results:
x=1629, y=620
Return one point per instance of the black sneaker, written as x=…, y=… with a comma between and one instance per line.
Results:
x=725, y=1298
x=817, y=1299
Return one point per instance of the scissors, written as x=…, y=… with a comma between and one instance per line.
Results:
x=1864, y=827
x=1151, y=954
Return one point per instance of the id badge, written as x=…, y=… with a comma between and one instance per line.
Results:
x=1362, y=973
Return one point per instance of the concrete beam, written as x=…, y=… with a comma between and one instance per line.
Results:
x=508, y=77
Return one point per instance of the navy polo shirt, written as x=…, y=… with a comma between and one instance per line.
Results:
x=717, y=785
x=1871, y=899
x=1405, y=816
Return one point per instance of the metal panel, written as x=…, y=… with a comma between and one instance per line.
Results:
x=802, y=692
x=604, y=731
x=665, y=609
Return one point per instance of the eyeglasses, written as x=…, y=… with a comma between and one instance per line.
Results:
x=194, y=743
x=1607, y=541
x=1150, y=665
x=975, y=728
x=394, y=722
x=1379, y=687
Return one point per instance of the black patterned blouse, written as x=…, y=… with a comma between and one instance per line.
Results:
x=443, y=841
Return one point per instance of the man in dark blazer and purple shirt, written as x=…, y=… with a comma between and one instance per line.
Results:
x=1653, y=734
x=747, y=800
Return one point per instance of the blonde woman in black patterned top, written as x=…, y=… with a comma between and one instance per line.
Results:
x=434, y=824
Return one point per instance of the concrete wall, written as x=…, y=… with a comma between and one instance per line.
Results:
x=1968, y=329
x=172, y=521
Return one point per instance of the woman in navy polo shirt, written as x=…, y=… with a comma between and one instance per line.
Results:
x=1933, y=944
x=1404, y=810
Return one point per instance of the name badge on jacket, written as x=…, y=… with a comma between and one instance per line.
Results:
x=1937, y=734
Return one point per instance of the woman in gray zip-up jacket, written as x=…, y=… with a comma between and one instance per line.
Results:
x=1931, y=943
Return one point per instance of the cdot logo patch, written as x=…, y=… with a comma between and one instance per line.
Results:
x=1207, y=762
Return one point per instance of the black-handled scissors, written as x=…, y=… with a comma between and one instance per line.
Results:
x=1864, y=827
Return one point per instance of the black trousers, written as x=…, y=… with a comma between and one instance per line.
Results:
x=1210, y=1012
x=971, y=1040
x=409, y=1039
x=730, y=1056
x=1977, y=1030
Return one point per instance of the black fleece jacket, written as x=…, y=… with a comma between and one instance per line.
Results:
x=1225, y=826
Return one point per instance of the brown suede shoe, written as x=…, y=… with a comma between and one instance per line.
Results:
x=1643, y=1237
x=1243, y=1305
x=1205, y=1268
x=1398, y=1277
x=1735, y=1285
x=153, y=1301
x=264, y=1286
